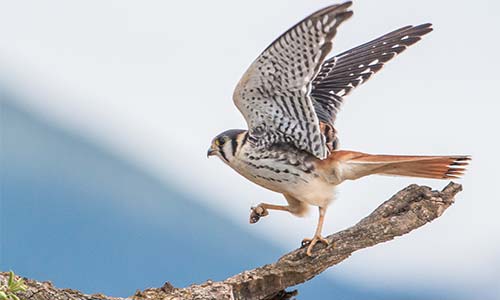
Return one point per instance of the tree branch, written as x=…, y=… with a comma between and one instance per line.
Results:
x=407, y=210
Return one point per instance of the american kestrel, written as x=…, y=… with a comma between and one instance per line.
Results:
x=290, y=96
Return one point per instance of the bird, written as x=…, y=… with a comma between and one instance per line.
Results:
x=290, y=97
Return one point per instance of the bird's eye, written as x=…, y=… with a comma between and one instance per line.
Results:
x=220, y=141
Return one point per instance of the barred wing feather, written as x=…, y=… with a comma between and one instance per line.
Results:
x=340, y=74
x=274, y=93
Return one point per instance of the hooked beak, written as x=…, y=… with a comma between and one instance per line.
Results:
x=211, y=152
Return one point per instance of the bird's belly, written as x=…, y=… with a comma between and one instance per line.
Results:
x=277, y=182
x=316, y=192
x=306, y=186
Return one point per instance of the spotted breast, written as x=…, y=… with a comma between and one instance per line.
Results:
x=285, y=169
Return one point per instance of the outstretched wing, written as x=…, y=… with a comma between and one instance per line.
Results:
x=342, y=73
x=274, y=93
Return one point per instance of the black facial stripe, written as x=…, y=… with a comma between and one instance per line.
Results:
x=245, y=138
x=234, y=144
x=221, y=151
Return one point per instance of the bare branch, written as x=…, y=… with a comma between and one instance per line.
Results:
x=407, y=210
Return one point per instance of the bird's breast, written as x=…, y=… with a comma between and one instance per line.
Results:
x=292, y=172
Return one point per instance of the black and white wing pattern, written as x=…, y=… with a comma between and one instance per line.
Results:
x=342, y=73
x=274, y=93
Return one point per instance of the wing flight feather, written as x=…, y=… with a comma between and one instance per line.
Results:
x=274, y=94
x=340, y=74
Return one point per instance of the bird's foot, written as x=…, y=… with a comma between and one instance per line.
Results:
x=311, y=242
x=257, y=213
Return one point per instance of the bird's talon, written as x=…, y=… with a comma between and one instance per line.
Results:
x=311, y=242
x=257, y=213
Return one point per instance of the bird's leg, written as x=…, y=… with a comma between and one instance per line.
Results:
x=317, y=235
x=261, y=211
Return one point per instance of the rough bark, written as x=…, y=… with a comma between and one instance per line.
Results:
x=407, y=210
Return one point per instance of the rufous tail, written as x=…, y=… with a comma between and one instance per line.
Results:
x=353, y=165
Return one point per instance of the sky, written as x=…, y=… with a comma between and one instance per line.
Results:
x=152, y=82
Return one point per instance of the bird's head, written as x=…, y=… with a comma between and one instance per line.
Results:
x=226, y=144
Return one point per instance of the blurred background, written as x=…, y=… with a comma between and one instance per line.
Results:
x=108, y=107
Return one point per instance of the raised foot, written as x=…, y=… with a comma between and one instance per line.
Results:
x=311, y=242
x=257, y=213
